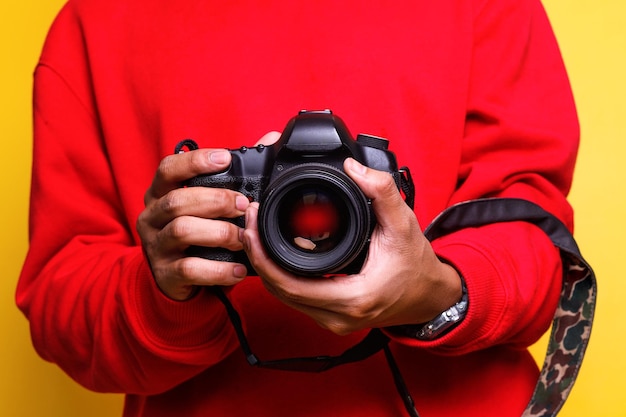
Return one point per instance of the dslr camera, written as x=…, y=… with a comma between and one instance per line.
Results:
x=313, y=219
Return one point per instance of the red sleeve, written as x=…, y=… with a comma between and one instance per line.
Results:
x=86, y=287
x=521, y=140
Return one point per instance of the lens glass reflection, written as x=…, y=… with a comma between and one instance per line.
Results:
x=311, y=219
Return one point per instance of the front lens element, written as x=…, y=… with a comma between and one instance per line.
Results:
x=314, y=220
x=311, y=218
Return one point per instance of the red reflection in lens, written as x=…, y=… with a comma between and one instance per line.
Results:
x=314, y=220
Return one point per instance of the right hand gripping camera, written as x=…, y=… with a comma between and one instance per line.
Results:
x=313, y=219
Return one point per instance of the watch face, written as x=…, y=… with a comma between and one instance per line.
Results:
x=446, y=321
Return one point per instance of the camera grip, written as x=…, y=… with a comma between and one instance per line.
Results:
x=250, y=186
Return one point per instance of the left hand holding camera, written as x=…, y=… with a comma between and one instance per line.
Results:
x=401, y=282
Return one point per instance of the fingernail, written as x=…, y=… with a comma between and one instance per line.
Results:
x=240, y=271
x=241, y=203
x=219, y=157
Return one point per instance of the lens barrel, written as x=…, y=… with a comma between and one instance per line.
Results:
x=314, y=220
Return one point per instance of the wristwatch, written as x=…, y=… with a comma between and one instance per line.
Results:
x=441, y=324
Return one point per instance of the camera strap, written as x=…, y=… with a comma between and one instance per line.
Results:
x=404, y=181
x=371, y=344
x=571, y=327
x=573, y=319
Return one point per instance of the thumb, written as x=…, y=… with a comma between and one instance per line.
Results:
x=268, y=139
x=380, y=187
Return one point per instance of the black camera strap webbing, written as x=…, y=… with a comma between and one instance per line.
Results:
x=571, y=328
x=374, y=342
x=371, y=344
x=185, y=144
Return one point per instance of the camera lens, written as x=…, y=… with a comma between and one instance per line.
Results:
x=314, y=220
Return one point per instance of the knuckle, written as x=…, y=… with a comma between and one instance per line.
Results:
x=362, y=308
x=219, y=197
x=142, y=220
x=148, y=196
x=197, y=161
x=338, y=327
x=186, y=269
x=225, y=235
x=356, y=313
x=216, y=198
x=289, y=293
x=165, y=167
x=224, y=231
x=179, y=228
x=288, y=296
x=202, y=272
x=386, y=184
x=152, y=256
x=220, y=270
x=171, y=203
x=164, y=174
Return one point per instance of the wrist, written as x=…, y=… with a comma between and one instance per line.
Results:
x=445, y=292
x=443, y=322
x=450, y=308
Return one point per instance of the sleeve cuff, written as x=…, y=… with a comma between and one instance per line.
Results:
x=486, y=294
x=167, y=326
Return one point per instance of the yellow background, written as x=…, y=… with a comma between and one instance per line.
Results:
x=592, y=34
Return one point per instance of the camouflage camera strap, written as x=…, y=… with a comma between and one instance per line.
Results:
x=571, y=326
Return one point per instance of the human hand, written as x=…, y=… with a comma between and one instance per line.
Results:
x=401, y=282
x=175, y=218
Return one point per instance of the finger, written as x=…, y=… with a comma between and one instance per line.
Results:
x=252, y=243
x=187, y=231
x=380, y=187
x=277, y=278
x=186, y=273
x=268, y=139
x=200, y=202
x=175, y=169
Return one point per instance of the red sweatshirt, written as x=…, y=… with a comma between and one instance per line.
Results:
x=474, y=98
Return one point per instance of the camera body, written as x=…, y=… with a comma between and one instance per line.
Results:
x=313, y=219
